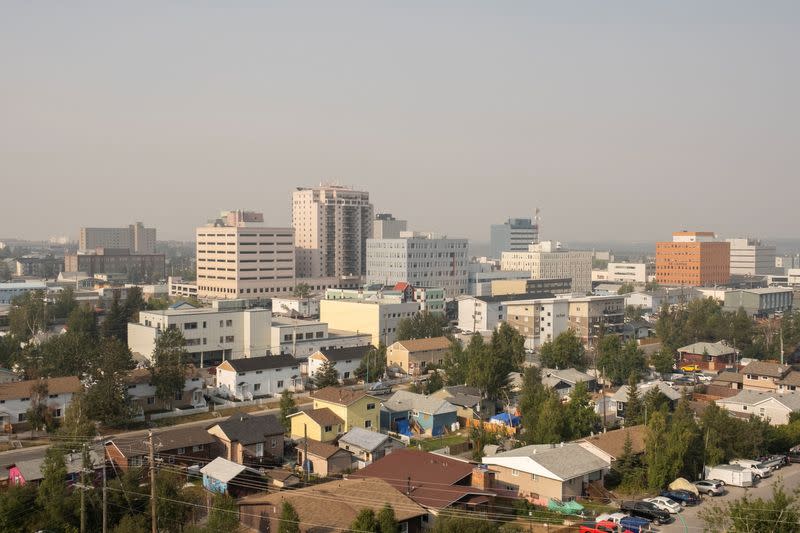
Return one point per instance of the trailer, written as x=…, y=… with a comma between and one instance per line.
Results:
x=733, y=475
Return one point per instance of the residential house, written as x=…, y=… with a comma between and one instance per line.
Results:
x=142, y=392
x=336, y=410
x=610, y=445
x=29, y=470
x=620, y=398
x=334, y=504
x=708, y=355
x=227, y=477
x=368, y=446
x=775, y=406
x=542, y=472
x=414, y=356
x=250, y=440
x=16, y=398
x=409, y=413
x=245, y=379
x=184, y=446
x=468, y=401
x=764, y=375
x=433, y=481
x=725, y=384
x=281, y=478
x=564, y=381
x=323, y=459
x=346, y=360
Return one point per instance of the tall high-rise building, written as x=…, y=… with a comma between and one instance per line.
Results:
x=239, y=257
x=548, y=260
x=421, y=259
x=693, y=258
x=750, y=257
x=331, y=226
x=386, y=226
x=514, y=235
x=136, y=238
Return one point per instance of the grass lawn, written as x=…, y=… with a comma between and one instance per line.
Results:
x=436, y=443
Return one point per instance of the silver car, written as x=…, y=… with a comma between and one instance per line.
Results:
x=711, y=487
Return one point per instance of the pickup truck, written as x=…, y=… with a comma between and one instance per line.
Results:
x=773, y=462
x=647, y=510
x=759, y=470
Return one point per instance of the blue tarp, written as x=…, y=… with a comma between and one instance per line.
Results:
x=403, y=427
x=506, y=419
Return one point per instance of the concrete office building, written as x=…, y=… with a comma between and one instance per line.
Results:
x=302, y=338
x=331, y=226
x=386, y=226
x=136, y=238
x=527, y=286
x=693, y=258
x=590, y=316
x=751, y=257
x=239, y=257
x=377, y=317
x=421, y=259
x=485, y=313
x=538, y=321
x=514, y=235
x=761, y=302
x=137, y=268
x=227, y=330
x=631, y=272
x=549, y=260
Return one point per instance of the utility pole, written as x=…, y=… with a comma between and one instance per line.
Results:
x=153, y=520
x=105, y=494
x=83, y=488
x=305, y=454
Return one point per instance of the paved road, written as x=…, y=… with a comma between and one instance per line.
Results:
x=691, y=522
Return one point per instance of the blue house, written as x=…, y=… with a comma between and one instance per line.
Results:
x=408, y=413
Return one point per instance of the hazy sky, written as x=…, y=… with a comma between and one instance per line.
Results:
x=620, y=120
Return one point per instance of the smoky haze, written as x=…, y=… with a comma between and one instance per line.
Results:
x=621, y=121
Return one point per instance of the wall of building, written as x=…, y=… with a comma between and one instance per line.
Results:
x=380, y=320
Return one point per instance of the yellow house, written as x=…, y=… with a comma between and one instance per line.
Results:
x=336, y=410
x=415, y=355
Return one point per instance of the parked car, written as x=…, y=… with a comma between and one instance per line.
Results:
x=793, y=456
x=759, y=470
x=690, y=368
x=774, y=462
x=647, y=510
x=604, y=526
x=671, y=506
x=683, y=497
x=709, y=487
x=624, y=523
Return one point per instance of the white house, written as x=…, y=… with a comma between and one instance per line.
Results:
x=142, y=392
x=17, y=397
x=245, y=379
x=773, y=406
x=346, y=360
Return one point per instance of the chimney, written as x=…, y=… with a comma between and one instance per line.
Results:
x=482, y=478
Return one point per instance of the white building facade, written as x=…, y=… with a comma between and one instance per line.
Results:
x=514, y=235
x=631, y=272
x=245, y=379
x=549, y=260
x=751, y=257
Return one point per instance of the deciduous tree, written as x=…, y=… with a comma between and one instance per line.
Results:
x=288, y=407
x=565, y=351
x=422, y=325
x=169, y=364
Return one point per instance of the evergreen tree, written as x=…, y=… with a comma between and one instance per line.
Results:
x=365, y=521
x=326, y=375
x=64, y=303
x=662, y=361
x=107, y=397
x=434, y=382
x=173, y=506
x=82, y=322
x=617, y=360
x=134, y=302
x=508, y=345
x=565, y=351
x=659, y=469
x=422, y=325
x=580, y=415
x=224, y=514
x=53, y=498
x=756, y=515
x=115, y=323
x=633, y=404
x=290, y=520
x=39, y=414
x=288, y=407
x=18, y=508
x=169, y=364
x=456, y=364
x=387, y=521
x=485, y=371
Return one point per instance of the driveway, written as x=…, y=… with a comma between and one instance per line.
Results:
x=688, y=519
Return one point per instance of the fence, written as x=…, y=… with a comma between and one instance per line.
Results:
x=490, y=427
x=172, y=414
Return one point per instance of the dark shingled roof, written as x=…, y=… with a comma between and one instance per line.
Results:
x=345, y=354
x=249, y=364
x=248, y=429
x=339, y=395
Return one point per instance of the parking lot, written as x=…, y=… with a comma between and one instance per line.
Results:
x=688, y=519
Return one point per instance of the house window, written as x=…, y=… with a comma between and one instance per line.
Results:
x=259, y=449
x=274, y=443
x=197, y=448
x=22, y=417
x=327, y=428
x=367, y=424
x=280, y=384
x=533, y=477
x=514, y=472
x=229, y=338
x=151, y=400
x=370, y=406
x=53, y=396
x=181, y=451
x=257, y=387
x=346, y=375
x=259, y=371
x=229, y=323
x=178, y=394
x=58, y=413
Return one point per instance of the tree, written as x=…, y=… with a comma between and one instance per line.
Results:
x=456, y=364
x=290, y=520
x=618, y=361
x=172, y=505
x=39, y=414
x=662, y=361
x=633, y=313
x=422, y=325
x=28, y=315
x=64, y=303
x=18, y=508
x=53, y=498
x=463, y=524
x=134, y=302
x=509, y=345
x=365, y=521
x=77, y=426
x=565, y=351
x=169, y=366
x=302, y=290
x=224, y=514
x=107, y=397
x=373, y=365
x=387, y=521
x=756, y=515
x=626, y=288
x=82, y=323
x=580, y=416
x=659, y=471
x=288, y=407
x=115, y=323
x=633, y=404
x=434, y=382
x=484, y=371
x=326, y=375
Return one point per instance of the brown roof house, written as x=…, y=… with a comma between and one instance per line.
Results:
x=413, y=356
x=433, y=481
x=708, y=355
x=610, y=445
x=19, y=396
x=330, y=507
x=323, y=459
x=336, y=410
x=764, y=375
x=185, y=446
x=250, y=440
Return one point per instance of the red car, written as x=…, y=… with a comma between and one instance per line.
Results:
x=604, y=526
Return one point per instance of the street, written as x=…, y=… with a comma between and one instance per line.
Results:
x=689, y=520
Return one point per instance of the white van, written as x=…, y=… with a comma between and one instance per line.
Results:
x=759, y=470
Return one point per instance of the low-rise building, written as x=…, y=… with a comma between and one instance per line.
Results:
x=760, y=302
x=653, y=300
x=468, y=401
x=776, y=407
x=245, y=379
x=9, y=291
x=485, y=313
x=620, y=398
x=550, y=259
x=323, y=459
x=414, y=356
x=631, y=272
x=563, y=381
x=183, y=446
x=319, y=424
x=764, y=375
x=227, y=330
x=224, y=476
x=178, y=288
x=538, y=321
x=353, y=408
x=708, y=355
x=19, y=396
x=531, y=286
x=544, y=472
x=376, y=317
x=139, y=268
x=142, y=392
x=250, y=440
x=296, y=306
x=368, y=446
x=302, y=338
x=409, y=413
x=591, y=316
x=610, y=445
x=346, y=361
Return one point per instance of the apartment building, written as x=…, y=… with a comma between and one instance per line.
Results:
x=136, y=267
x=431, y=300
x=227, y=330
x=751, y=257
x=631, y=272
x=549, y=259
x=385, y=226
x=485, y=313
x=136, y=238
x=331, y=226
x=523, y=286
x=514, y=235
x=239, y=257
x=693, y=258
x=538, y=321
x=589, y=316
x=378, y=317
x=421, y=259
